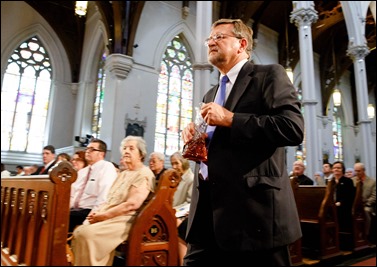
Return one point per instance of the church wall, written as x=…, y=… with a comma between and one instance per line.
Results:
x=134, y=97
x=59, y=128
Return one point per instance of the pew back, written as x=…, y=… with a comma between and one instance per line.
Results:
x=153, y=237
x=318, y=219
x=359, y=239
x=34, y=217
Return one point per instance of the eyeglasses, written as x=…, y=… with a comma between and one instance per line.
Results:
x=91, y=149
x=218, y=37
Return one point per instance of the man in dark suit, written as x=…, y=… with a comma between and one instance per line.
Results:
x=49, y=160
x=243, y=212
x=298, y=170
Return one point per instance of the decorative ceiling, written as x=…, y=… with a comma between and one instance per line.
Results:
x=329, y=33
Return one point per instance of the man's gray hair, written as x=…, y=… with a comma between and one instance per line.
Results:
x=159, y=155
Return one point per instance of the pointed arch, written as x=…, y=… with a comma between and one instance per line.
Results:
x=96, y=46
x=174, y=97
x=185, y=34
x=60, y=67
x=52, y=44
x=25, y=96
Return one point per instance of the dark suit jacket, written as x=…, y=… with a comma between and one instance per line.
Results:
x=345, y=194
x=252, y=202
x=45, y=171
x=304, y=180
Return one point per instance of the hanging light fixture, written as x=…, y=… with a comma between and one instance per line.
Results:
x=336, y=95
x=288, y=69
x=80, y=8
x=371, y=111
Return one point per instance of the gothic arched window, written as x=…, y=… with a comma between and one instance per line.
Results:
x=25, y=95
x=98, y=101
x=174, y=98
x=337, y=135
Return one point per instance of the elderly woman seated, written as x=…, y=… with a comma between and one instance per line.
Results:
x=95, y=241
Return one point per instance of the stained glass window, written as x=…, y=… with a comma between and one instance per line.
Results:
x=25, y=97
x=337, y=135
x=301, y=149
x=174, y=98
x=98, y=101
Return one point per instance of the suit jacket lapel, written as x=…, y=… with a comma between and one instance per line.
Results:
x=243, y=79
x=210, y=96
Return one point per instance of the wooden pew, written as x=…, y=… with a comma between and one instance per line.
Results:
x=153, y=237
x=356, y=240
x=35, y=216
x=318, y=219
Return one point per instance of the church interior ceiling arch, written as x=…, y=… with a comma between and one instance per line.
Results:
x=329, y=30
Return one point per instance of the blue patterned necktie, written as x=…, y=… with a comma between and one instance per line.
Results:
x=220, y=99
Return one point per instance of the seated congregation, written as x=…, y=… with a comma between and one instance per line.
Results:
x=134, y=211
x=136, y=223
x=333, y=217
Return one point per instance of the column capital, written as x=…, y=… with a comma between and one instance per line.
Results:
x=119, y=65
x=357, y=52
x=304, y=16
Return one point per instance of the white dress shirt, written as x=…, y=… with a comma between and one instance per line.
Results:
x=102, y=176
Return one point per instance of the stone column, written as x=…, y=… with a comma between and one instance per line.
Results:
x=202, y=68
x=117, y=68
x=367, y=150
x=303, y=15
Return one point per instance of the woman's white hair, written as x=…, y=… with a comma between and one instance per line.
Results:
x=141, y=145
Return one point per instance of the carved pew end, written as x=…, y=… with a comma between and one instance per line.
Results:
x=153, y=237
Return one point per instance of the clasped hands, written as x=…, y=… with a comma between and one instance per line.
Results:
x=94, y=217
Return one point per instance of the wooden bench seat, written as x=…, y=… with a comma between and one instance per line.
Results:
x=34, y=218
